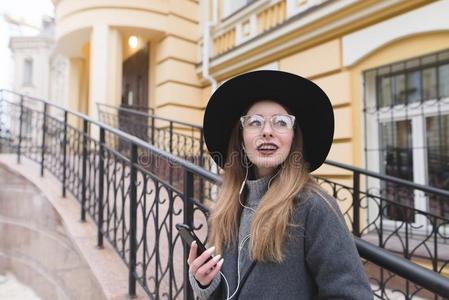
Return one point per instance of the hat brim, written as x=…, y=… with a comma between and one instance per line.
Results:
x=305, y=100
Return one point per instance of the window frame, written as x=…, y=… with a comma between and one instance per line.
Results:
x=416, y=112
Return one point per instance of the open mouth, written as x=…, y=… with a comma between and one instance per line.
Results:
x=267, y=148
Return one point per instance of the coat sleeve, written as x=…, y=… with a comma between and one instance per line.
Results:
x=204, y=293
x=331, y=255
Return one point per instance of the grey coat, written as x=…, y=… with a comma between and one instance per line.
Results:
x=321, y=261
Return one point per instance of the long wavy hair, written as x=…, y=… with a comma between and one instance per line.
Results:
x=270, y=224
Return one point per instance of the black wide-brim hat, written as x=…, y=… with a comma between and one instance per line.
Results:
x=305, y=100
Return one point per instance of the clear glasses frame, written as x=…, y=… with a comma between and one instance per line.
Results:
x=256, y=123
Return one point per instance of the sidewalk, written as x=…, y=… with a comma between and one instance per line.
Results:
x=46, y=245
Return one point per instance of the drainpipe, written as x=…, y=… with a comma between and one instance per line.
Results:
x=207, y=41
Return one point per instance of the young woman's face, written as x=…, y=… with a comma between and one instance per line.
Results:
x=267, y=147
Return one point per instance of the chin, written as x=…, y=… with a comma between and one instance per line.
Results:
x=265, y=163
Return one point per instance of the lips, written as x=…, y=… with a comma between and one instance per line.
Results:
x=267, y=146
x=267, y=149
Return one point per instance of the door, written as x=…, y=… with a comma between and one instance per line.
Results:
x=135, y=94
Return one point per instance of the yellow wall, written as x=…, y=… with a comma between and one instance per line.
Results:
x=175, y=89
x=172, y=29
x=323, y=65
x=314, y=61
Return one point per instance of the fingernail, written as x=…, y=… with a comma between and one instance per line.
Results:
x=193, y=244
x=211, y=250
x=217, y=257
x=220, y=262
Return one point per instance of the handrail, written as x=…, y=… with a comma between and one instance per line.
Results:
x=429, y=280
x=143, y=114
x=366, y=172
x=209, y=175
x=410, y=184
x=131, y=138
x=406, y=269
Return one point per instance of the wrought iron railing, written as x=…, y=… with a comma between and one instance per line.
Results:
x=370, y=208
x=182, y=139
x=135, y=206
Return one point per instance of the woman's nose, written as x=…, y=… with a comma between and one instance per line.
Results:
x=267, y=129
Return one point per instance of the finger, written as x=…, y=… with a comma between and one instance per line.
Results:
x=216, y=269
x=206, y=268
x=192, y=253
x=209, y=277
x=200, y=260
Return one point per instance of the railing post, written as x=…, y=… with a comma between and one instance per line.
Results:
x=64, y=156
x=152, y=130
x=19, y=146
x=44, y=133
x=201, y=148
x=83, y=174
x=133, y=222
x=171, y=137
x=356, y=204
x=202, y=164
x=100, y=189
x=170, y=167
x=188, y=220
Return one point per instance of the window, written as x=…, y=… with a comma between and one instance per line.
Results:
x=28, y=72
x=407, y=129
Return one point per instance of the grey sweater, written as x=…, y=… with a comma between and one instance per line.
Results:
x=321, y=262
x=255, y=190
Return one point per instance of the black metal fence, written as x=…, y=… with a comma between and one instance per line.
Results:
x=371, y=210
x=136, y=204
x=179, y=138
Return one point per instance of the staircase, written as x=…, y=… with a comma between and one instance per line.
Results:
x=137, y=188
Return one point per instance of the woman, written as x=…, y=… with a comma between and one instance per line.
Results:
x=276, y=233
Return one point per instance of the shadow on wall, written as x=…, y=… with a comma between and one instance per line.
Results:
x=35, y=247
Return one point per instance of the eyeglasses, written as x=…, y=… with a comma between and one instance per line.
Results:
x=256, y=123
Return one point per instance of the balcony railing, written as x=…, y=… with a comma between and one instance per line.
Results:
x=255, y=19
x=135, y=207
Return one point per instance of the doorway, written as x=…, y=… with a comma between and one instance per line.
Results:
x=135, y=94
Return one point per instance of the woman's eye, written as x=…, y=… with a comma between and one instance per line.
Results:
x=254, y=123
x=280, y=122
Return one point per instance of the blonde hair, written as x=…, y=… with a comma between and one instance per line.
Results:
x=270, y=224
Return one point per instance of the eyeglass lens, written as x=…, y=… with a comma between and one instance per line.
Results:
x=279, y=123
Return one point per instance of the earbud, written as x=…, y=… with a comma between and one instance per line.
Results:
x=243, y=146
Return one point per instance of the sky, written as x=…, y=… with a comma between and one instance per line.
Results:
x=32, y=12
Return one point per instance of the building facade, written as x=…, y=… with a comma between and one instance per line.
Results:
x=139, y=53
x=384, y=65
x=37, y=70
x=11, y=26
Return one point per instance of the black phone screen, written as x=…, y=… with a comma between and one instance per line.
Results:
x=188, y=236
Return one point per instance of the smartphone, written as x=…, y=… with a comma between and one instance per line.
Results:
x=188, y=236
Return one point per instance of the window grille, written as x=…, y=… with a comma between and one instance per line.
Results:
x=406, y=117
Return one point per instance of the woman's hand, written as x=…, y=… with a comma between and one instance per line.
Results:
x=204, y=271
